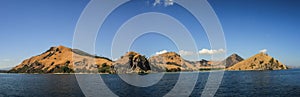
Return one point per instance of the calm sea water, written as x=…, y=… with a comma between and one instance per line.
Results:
x=235, y=83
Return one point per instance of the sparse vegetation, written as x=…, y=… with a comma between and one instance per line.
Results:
x=66, y=69
x=67, y=63
x=172, y=63
x=261, y=62
x=49, y=55
x=252, y=65
x=271, y=61
x=52, y=63
x=62, y=69
x=173, y=69
x=208, y=69
x=104, y=68
x=79, y=52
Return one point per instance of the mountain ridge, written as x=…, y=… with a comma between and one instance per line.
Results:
x=62, y=59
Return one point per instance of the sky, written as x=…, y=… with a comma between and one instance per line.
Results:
x=30, y=27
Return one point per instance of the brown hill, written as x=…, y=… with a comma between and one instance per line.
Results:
x=132, y=62
x=63, y=60
x=259, y=61
x=172, y=61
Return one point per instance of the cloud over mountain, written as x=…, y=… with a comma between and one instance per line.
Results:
x=161, y=52
x=211, y=51
x=263, y=51
x=186, y=53
x=202, y=51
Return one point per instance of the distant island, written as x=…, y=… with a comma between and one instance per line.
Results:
x=62, y=59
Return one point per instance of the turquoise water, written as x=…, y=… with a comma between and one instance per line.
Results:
x=235, y=83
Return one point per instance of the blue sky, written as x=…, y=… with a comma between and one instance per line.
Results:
x=30, y=27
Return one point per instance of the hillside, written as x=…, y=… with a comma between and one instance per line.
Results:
x=62, y=60
x=172, y=62
x=259, y=61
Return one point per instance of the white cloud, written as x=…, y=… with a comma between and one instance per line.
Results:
x=263, y=51
x=156, y=2
x=115, y=59
x=186, y=53
x=161, y=52
x=211, y=52
x=169, y=2
x=165, y=2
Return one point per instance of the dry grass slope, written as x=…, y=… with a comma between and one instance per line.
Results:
x=259, y=61
x=61, y=60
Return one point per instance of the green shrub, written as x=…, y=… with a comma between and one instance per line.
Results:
x=104, y=68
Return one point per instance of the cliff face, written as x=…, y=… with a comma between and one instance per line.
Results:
x=132, y=62
x=62, y=60
x=259, y=61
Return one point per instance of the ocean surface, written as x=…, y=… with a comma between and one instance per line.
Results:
x=234, y=84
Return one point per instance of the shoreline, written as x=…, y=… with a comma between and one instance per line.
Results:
x=224, y=70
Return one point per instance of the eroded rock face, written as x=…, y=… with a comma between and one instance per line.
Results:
x=259, y=61
x=132, y=62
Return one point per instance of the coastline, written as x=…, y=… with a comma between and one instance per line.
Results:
x=218, y=70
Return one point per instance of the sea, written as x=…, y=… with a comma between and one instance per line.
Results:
x=280, y=83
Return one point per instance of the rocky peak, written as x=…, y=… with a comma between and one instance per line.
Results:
x=233, y=59
x=131, y=53
x=132, y=62
x=59, y=48
x=234, y=55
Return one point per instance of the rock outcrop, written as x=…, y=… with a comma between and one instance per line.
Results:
x=63, y=60
x=259, y=61
x=132, y=62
